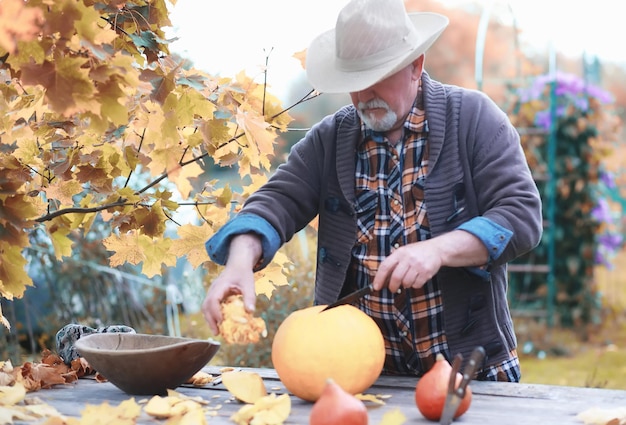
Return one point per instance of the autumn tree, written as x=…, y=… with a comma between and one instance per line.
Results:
x=99, y=122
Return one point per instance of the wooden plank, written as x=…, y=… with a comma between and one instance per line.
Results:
x=493, y=402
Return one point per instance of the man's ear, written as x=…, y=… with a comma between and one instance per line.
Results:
x=418, y=67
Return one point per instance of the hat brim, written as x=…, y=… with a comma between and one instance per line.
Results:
x=326, y=77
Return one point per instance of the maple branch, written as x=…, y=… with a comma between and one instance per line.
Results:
x=121, y=202
x=115, y=26
x=171, y=218
x=141, y=139
x=312, y=94
x=267, y=59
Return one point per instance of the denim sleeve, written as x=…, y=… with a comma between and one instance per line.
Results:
x=218, y=244
x=494, y=236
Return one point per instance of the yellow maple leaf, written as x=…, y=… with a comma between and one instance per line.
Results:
x=125, y=413
x=259, y=135
x=63, y=191
x=68, y=87
x=87, y=27
x=191, y=243
x=152, y=220
x=166, y=159
x=258, y=180
x=156, y=253
x=268, y=279
x=268, y=410
x=10, y=396
x=61, y=243
x=18, y=22
x=301, y=57
x=184, y=177
x=126, y=248
x=13, y=276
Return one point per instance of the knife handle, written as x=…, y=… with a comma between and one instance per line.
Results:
x=474, y=362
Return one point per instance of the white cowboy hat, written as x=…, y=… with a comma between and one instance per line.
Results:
x=372, y=40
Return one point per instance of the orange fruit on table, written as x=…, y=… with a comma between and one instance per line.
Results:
x=312, y=346
x=432, y=389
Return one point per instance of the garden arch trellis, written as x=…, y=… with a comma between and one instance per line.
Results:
x=550, y=195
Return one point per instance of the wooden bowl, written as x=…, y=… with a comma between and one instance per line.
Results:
x=141, y=364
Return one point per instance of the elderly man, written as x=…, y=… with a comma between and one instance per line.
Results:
x=422, y=190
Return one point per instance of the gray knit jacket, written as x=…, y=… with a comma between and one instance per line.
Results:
x=474, y=155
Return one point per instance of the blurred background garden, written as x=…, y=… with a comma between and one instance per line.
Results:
x=568, y=296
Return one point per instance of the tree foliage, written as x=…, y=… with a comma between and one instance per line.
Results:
x=99, y=121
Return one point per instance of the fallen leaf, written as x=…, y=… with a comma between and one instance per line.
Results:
x=245, y=386
x=600, y=416
x=158, y=407
x=393, y=417
x=126, y=413
x=268, y=410
x=174, y=405
x=10, y=396
x=374, y=398
x=7, y=373
x=200, y=378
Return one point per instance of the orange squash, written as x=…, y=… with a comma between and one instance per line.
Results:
x=337, y=407
x=343, y=344
x=432, y=388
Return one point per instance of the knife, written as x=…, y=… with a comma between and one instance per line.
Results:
x=456, y=394
x=351, y=298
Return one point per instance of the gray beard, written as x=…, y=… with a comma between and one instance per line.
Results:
x=381, y=125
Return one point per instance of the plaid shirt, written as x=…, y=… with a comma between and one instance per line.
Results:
x=391, y=212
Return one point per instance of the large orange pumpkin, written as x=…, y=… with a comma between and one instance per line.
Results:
x=342, y=343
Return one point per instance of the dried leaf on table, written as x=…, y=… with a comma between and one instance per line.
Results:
x=268, y=410
x=200, y=378
x=7, y=373
x=245, y=386
x=15, y=406
x=10, y=396
x=81, y=367
x=174, y=405
x=36, y=376
x=393, y=417
x=192, y=417
x=239, y=326
x=374, y=398
x=126, y=413
x=603, y=416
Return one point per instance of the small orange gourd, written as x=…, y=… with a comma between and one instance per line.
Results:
x=432, y=388
x=337, y=407
x=341, y=343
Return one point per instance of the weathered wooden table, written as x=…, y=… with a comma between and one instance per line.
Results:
x=493, y=402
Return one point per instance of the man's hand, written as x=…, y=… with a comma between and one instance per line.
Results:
x=413, y=265
x=236, y=278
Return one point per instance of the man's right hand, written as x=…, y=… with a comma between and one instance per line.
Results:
x=237, y=278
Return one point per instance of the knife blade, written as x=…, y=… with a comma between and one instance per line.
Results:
x=455, y=395
x=351, y=298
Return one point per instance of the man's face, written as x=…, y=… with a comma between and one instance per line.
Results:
x=384, y=106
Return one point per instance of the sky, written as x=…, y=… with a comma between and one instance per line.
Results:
x=226, y=36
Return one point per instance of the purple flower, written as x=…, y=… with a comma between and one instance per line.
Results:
x=608, y=179
x=611, y=241
x=602, y=212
